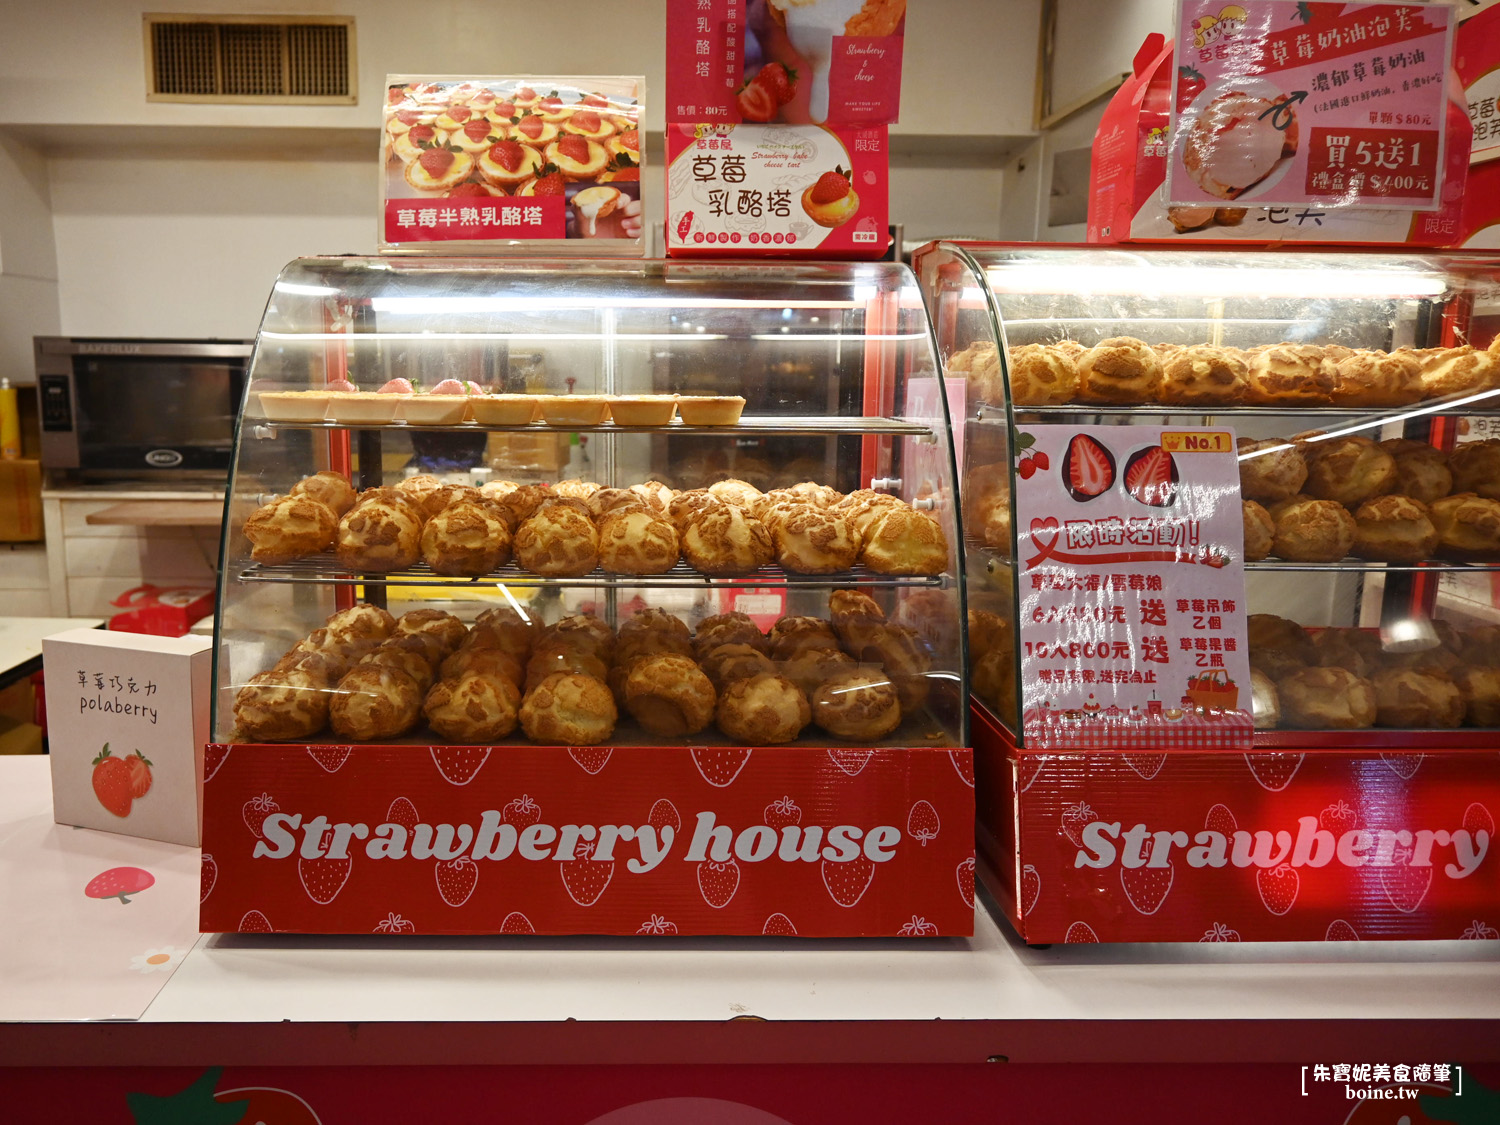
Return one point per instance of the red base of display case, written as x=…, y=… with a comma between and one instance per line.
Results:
x=1286, y=845
x=666, y=841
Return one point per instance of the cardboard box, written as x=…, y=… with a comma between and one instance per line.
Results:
x=128, y=715
x=20, y=501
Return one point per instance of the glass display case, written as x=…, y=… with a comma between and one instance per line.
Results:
x=842, y=424
x=1361, y=388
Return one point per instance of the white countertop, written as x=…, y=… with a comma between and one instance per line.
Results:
x=21, y=637
x=705, y=999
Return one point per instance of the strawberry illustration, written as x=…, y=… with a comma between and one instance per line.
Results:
x=140, y=774
x=585, y=878
x=214, y=756
x=831, y=186
x=120, y=883
x=1220, y=820
x=208, y=875
x=1278, y=887
x=323, y=878
x=717, y=882
x=922, y=822
x=1027, y=468
x=1028, y=768
x=404, y=813
x=780, y=80
x=1031, y=888
x=255, y=812
x=850, y=761
x=664, y=815
x=393, y=923
x=254, y=922
x=1080, y=933
x=782, y=813
x=590, y=759
x=1403, y=765
x=459, y=764
x=1190, y=83
x=1406, y=886
x=917, y=927
x=657, y=925
x=1074, y=819
x=756, y=102
x=111, y=779
x=1477, y=819
x=684, y=227
x=1147, y=765
x=720, y=765
x=329, y=757
x=847, y=882
x=1151, y=476
x=1147, y=887
x=964, y=872
x=779, y=925
x=1088, y=468
x=517, y=923
x=1274, y=771
x=1479, y=931
x=1338, y=818
x=1220, y=932
x=456, y=879
x=1340, y=930
x=523, y=812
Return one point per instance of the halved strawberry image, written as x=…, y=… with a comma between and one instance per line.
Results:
x=756, y=102
x=1151, y=476
x=1088, y=469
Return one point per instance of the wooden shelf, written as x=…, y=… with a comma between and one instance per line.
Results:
x=159, y=513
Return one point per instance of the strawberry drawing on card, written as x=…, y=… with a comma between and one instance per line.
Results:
x=1403, y=765
x=1340, y=930
x=1278, y=887
x=590, y=759
x=1146, y=888
x=1477, y=819
x=1338, y=818
x=584, y=877
x=1075, y=818
x=850, y=761
x=254, y=922
x=658, y=926
x=1028, y=768
x=330, y=757
x=720, y=765
x=459, y=764
x=1147, y=765
x=964, y=872
x=1479, y=931
x=456, y=879
x=1031, y=889
x=1220, y=932
x=1220, y=820
x=922, y=823
x=847, y=882
x=255, y=811
x=213, y=758
x=1273, y=771
x=717, y=882
x=782, y=813
x=208, y=875
x=917, y=927
x=779, y=925
x=664, y=814
x=402, y=812
x=393, y=923
x=323, y=878
x=523, y=812
x=963, y=765
x=517, y=923
x=1406, y=886
x=1080, y=933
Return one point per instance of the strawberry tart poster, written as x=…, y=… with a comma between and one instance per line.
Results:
x=510, y=161
x=1132, y=589
x=1288, y=102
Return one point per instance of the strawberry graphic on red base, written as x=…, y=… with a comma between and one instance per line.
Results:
x=782, y=813
x=254, y=922
x=585, y=878
x=1075, y=818
x=779, y=925
x=517, y=923
x=330, y=757
x=717, y=882
x=1080, y=933
x=1477, y=819
x=1404, y=766
x=590, y=759
x=1220, y=820
x=1278, y=887
x=922, y=823
x=402, y=812
x=1406, y=886
x=964, y=873
x=1338, y=818
x=323, y=878
x=1147, y=765
x=847, y=882
x=1031, y=888
x=459, y=764
x=1147, y=887
x=1274, y=771
x=1340, y=930
x=214, y=756
x=393, y=923
x=658, y=926
x=523, y=812
x=664, y=815
x=917, y=927
x=720, y=765
x=963, y=765
x=255, y=812
x=1220, y=932
x=851, y=761
x=456, y=879
x=208, y=875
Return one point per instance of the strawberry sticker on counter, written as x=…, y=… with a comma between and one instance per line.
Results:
x=1132, y=590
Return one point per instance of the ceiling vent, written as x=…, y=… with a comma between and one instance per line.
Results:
x=304, y=60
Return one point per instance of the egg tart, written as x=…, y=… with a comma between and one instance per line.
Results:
x=577, y=158
x=509, y=164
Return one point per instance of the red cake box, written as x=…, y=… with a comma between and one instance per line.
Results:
x=1286, y=845
x=782, y=841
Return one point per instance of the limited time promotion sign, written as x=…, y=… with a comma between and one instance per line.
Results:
x=1132, y=589
x=1282, y=102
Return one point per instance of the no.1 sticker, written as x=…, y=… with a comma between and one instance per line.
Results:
x=1132, y=589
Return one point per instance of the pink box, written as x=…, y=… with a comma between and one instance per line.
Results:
x=777, y=190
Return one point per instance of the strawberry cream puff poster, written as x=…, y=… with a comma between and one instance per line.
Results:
x=1132, y=589
x=491, y=163
x=1281, y=102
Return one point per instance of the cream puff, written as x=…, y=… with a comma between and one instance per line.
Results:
x=1038, y=375
x=509, y=164
x=1290, y=375
x=577, y=158
x=1375, y=378
x=1120, y=369
x=1204, y=375
x=439, y=169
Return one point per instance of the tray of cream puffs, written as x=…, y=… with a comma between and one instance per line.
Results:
x=1317, y=499
x=1345, y=679
x=575, y=529
x=364, y=676
x=1123, y=371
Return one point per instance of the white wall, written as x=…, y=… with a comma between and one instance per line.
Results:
x=28, y=262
